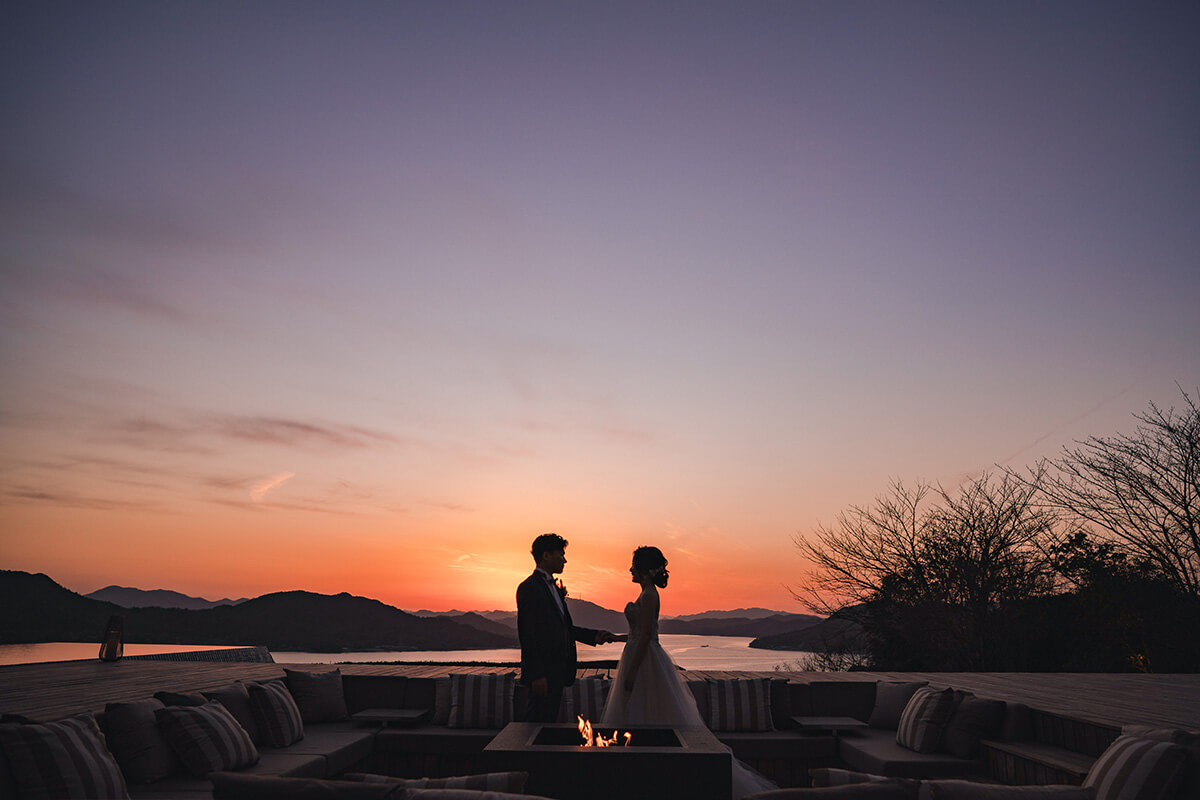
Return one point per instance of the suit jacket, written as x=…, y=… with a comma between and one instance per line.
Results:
x=547, y=635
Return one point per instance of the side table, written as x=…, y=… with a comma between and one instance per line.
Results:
x=392, y=716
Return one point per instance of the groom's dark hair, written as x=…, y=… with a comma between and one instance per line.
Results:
x=546, y=543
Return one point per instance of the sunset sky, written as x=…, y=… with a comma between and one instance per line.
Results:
x=363, y=296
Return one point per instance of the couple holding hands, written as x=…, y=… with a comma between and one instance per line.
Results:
x=647, y=690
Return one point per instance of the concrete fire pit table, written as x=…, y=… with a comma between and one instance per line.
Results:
x=657, y=763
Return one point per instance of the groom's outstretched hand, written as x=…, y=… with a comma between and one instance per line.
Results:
x=604, y=637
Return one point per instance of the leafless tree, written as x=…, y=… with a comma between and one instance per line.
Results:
x=1140, y=491
x=928, y=573
x=976, y=547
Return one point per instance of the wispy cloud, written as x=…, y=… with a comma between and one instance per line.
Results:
x=475, y=562
x=260, y=489
x=191, y=433
x=28, y=494
x=264, y=507
x=297, y=433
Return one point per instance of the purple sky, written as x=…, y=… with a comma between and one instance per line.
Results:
x=695, y=274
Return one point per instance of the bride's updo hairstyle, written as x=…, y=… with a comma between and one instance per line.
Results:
x=650, y=561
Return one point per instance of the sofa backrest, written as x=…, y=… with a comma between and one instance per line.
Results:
x=842, y=699
x=375, y=691
x=434, y=694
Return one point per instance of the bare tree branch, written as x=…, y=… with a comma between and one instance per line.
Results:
x=1140, y=490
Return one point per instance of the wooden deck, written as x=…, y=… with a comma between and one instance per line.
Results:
x=49, y=691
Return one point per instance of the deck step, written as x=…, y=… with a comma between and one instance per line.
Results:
x=1034, y=763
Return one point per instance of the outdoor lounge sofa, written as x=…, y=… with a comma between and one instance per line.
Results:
x=322, y=726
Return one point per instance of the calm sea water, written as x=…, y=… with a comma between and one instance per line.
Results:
x=689, y=652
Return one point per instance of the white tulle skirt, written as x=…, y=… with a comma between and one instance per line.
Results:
x=660, y=696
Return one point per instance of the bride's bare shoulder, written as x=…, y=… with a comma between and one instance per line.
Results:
x=649, y=599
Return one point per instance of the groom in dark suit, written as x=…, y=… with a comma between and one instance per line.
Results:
x=547, y=634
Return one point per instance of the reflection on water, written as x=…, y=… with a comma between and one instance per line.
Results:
x=689, y=652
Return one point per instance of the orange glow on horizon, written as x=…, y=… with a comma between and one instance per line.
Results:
x=439, y=571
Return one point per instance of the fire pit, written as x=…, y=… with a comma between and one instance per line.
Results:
x=656, y=763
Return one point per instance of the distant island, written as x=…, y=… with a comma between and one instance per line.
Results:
x=34, y=608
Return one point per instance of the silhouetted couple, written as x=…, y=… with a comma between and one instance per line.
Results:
x=647, y=690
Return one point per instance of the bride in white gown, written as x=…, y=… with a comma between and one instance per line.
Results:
x=648, y=689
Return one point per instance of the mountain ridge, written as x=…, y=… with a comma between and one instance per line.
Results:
x=33, y=607
x=130, y=597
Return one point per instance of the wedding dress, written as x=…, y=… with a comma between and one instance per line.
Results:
x=661, y=696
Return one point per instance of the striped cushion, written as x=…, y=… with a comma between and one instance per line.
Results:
x=739, y=705
x=1133, y=768
x=511, y=782
x=584, y=698
x=480, y=701
x=236, y=699
x=924, y=719
x=206, y=738
x=63, y=759
x=278, y=718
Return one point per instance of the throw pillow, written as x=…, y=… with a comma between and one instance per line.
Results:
x=1188, y=740
x=206, y=738
x=890, y=700
x=233, y=786
x=584, y=698
x=278, y=718
x=480, y=701
x=1133, y=768
x=441, y=702
x=924, y=719
x=973, y=720
x=739, y=705
x=318, y=695
x=137, y=743
x=967, y=790
x=236, y=700
x=512, y=782
x=63, y=759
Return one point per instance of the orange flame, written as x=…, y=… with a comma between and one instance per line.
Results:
x=593, y=739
